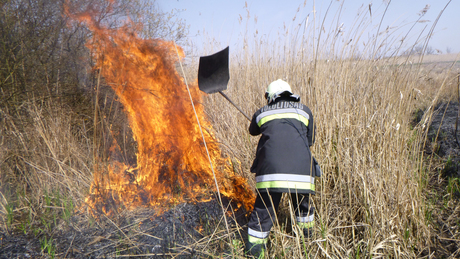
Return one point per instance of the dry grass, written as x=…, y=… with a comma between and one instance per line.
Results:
x=371, y=200
x=47, y=150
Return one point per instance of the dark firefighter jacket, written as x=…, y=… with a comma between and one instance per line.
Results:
x=283, y=160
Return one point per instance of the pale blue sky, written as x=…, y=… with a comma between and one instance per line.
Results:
x=220, y=19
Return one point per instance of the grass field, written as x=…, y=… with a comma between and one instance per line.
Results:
x=372, y=198
x=376, y=197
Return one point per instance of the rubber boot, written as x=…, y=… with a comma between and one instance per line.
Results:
x=307, y=232
x=255, y=250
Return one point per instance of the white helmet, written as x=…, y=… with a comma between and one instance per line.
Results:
x=276, y=89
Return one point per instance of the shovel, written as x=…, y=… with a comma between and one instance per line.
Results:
x=213, y=75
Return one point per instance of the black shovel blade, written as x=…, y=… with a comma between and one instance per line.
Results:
x=213, y=72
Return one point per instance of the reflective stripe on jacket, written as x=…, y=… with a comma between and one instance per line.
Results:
x=283, y=160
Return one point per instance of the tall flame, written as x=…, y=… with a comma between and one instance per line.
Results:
x=172, y=163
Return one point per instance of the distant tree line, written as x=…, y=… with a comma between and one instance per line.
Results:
x=42, y=55
x=420, y=50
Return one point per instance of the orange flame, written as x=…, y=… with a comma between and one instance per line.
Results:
x=172, y=164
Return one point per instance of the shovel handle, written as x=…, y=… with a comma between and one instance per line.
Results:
x=228, y=99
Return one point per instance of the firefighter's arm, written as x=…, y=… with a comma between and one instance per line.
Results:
x=254, y=129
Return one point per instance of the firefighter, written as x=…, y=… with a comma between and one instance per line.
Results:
x=283, y=163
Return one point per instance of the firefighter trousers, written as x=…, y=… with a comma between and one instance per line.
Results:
x=264, y=214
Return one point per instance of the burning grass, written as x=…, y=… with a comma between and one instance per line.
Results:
x=177, y=161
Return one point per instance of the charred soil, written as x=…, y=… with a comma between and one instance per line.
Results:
x=442, y=150
x=181, y=232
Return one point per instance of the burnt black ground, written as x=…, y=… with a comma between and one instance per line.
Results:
x=177, y=232
x=442, y=140
x=443, y=152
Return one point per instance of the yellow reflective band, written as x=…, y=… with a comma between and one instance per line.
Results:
x=283, y=116
x=306, y=224
x=286, y=184
x=255, y=240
